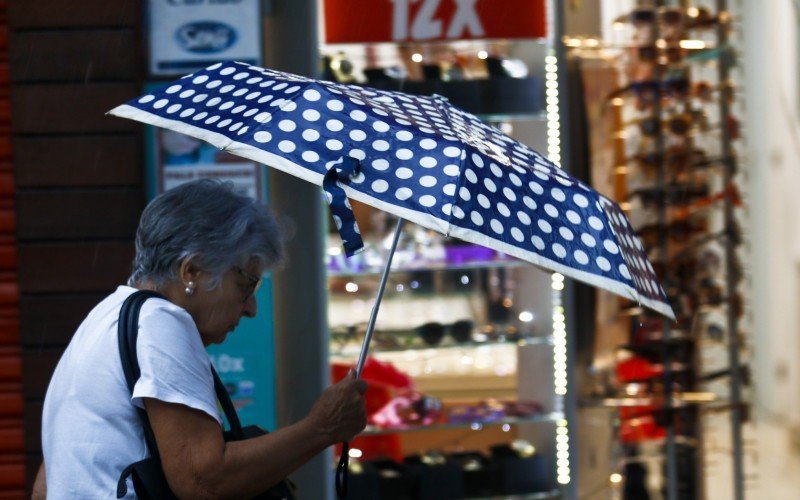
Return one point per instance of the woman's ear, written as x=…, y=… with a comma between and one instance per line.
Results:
x=188, y=272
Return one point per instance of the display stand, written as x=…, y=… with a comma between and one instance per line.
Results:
x=472, y=328
x=729, y=169
x=685, y=211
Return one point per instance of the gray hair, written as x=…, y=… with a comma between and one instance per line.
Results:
x=209, y=222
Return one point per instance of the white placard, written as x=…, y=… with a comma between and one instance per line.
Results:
x=188, y=35
x=245, y=176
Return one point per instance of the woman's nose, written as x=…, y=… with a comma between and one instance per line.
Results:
x=250, y=307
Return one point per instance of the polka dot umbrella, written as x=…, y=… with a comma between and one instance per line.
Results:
x=417, y=157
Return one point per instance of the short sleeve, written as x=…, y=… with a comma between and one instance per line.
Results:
x=174, y=365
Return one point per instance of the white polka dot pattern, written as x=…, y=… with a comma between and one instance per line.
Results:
x=423, y=155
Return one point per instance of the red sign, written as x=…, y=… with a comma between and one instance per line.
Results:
x=360, y=21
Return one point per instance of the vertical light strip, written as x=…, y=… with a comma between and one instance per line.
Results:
x=551, y=99
x=560, y=377
x=559, y=318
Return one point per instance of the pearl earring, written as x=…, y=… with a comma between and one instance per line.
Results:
x=189, y=290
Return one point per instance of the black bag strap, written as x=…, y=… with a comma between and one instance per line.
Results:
x=227, y=407
x=127, y=334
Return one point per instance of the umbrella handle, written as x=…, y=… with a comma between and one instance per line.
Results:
x=342, y=469
x=362, y=358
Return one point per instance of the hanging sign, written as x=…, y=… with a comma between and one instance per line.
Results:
x=187, y=35
x=362, y=21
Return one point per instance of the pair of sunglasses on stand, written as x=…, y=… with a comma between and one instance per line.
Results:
x=673, y=20
x=677, y=88
x=682, y=124
x=676, y=232
x=672, y=194
x=678, y=124
x=678, y=159
x=433, y=333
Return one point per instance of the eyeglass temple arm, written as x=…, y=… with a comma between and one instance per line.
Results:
x=362, y=358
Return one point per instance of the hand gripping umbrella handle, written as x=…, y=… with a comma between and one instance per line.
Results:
x=342, y=469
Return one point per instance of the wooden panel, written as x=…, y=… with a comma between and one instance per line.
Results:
x=38, y=366
x=74, y=267
x=85, y=13
x=11, y=404
x=78, y=214
x=78, y=161
x=84, y=56
x=52, y=320
x=70, y=108
x=12, y=475
x=33, y=426
x=10, y=364
x=11, y=436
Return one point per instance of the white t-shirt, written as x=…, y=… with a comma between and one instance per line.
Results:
x=90, y=428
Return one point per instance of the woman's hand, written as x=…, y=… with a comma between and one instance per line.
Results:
x=341, y=412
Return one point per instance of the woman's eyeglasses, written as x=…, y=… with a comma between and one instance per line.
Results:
x=253, y=286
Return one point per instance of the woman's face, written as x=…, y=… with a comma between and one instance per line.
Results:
x=217, y=312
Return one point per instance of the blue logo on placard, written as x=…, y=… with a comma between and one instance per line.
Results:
x=205, y=37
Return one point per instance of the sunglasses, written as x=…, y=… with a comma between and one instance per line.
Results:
x=672, y=194
x=677, y=231
x=673, y=17
x=678, y=124
x=677, y=158
x=433, y=333
x=671, y=54
x=253, y=285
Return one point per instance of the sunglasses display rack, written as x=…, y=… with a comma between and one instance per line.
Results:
x=462, y=330
x=674, y=143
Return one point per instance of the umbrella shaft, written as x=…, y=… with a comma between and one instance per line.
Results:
x=362, y=358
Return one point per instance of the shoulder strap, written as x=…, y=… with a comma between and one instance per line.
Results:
x=127, y=334
x=227, y=406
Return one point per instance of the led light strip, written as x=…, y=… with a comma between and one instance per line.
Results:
x=559, y=318
x=560, y=378
x=553, y=123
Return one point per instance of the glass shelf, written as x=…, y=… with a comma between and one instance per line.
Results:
x=430, y=267
x=540, y=116
x=544, y=495
x=680, y=400
x=355, y=350
x=544, y=418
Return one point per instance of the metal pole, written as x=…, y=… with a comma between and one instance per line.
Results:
x=362, y=358
x=660, y=146
x=723, y=66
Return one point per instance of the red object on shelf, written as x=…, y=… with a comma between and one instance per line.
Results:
x=384, y=380
x=637, y=368
x=644, y=428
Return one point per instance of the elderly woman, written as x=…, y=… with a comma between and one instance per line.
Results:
x=203, y=247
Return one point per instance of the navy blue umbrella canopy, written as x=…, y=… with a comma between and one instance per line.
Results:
x=417, y=157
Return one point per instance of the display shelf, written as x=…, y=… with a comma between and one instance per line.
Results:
x=544, y=495
x=476, y=425
x=432, y=267
x=540, y=116
x=353, y=351
x=680, y=400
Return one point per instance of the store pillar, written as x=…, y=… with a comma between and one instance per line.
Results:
x=301, y=347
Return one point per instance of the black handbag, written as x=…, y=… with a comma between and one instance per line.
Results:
x=147, y=475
